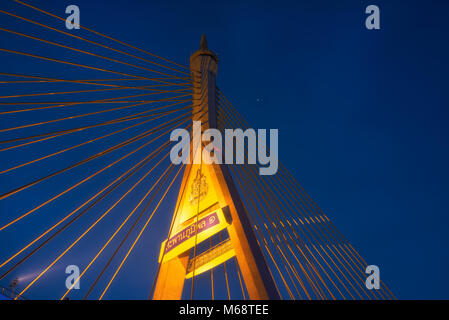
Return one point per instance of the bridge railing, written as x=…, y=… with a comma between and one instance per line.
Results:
x=8, y=294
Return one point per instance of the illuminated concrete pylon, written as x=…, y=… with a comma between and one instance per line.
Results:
x=207, y=203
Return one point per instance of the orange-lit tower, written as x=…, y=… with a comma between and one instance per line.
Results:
x=208, y=202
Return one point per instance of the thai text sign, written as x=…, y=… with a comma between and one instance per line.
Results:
x=194, y=233
x=202, y=225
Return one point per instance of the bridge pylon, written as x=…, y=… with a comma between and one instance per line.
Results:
x=208, y=202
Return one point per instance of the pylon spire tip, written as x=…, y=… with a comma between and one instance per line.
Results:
x=203, y=44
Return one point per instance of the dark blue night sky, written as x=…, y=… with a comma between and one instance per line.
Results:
x=362, y=114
